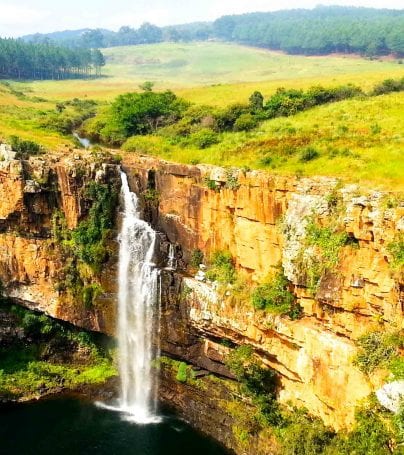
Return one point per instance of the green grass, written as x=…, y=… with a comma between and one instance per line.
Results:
x=222, y=72
x=191, y=64
x=349, y=144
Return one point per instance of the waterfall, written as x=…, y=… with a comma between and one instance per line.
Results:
x=138, y=312
x=172, y=261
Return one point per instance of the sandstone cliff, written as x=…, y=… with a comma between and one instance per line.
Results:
x=262, y=221
x=31, y=262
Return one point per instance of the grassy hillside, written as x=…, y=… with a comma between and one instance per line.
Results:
x=204, y=63
x=186, y=66
x=359, y=139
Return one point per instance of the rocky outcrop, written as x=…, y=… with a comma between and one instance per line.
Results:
x=212, y=406
x=31, y=262
x=262, y=221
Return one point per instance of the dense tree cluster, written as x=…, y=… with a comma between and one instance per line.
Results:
x=136, y=114
x=322, y=30
x=21, y=60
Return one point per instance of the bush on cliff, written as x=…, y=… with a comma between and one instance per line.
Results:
x=24, y=149
x=257, y=382
x=379, y=350
x=86, y=247
x=275, y=297
x=221, y=268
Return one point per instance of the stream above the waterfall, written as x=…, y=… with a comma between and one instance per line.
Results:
x=71, y=426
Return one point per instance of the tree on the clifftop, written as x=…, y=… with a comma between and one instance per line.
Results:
x=142, y=113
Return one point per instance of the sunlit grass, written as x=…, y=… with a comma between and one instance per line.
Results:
x=358, y=140
x=196, y=69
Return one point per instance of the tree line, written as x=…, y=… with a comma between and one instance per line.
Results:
x=322, y=30
x=21, y=60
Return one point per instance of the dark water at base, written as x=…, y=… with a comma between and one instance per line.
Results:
x=70, y=426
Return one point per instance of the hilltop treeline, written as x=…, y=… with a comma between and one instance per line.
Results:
x=322, y=30
x=21, y=60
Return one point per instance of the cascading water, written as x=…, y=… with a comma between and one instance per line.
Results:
x=138, y=312
x=172, y=261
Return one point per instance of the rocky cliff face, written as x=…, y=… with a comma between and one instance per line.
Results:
x=31, y=262
x=262, y=220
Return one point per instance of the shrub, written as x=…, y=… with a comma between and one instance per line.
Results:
x=90, y=293
x=378, y=350
x=257, y=382
x=182, y=372
x=285, y=102
x=196, y=258
x=328, y=240
x=246, y=122
x=24, y=149
x=388, y=86
x=396, y=249
x=305, y=435
x=308, y=154
x=204, y=138
x=246, y=368
x=256, y=101
x=221, y=268
x=399, y=423
x=231, y=180
x=227, y=118
x=266, y=160
x=274, y=296
x=212, y=184
x=36, y=325
x=371, y=435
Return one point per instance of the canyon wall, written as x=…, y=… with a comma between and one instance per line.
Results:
x=31, y=261
x=262, y=221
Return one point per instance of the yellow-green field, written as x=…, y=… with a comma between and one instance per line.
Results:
x=213, y=73
x=359, y=140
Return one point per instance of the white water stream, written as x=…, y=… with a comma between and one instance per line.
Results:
x=138, y=312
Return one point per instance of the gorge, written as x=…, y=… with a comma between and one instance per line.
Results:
x=260, y=221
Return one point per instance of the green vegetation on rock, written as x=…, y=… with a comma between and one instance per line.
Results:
x=24, y=148
x=57, y=357
x=275, y=297
x=86, y=247
x=381, y=350
x=221, y=268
